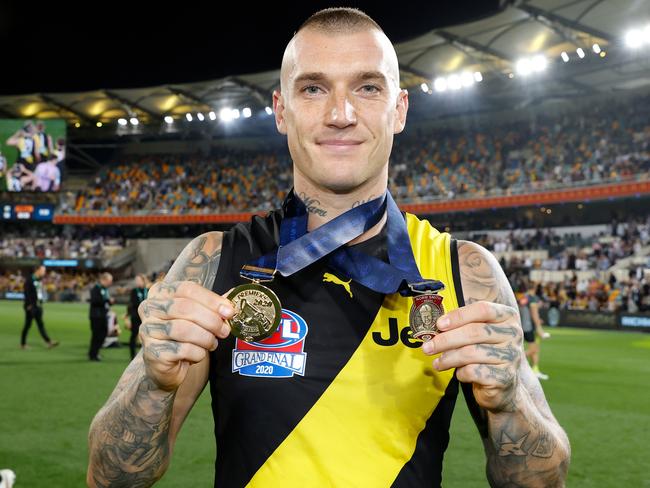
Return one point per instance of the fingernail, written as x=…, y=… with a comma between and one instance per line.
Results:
x=443, y=322
x=226, y=310
x=427, y=347
x=436, y=363
x=216, y=343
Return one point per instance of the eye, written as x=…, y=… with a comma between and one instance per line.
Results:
x=310, y=90
x=371, y=88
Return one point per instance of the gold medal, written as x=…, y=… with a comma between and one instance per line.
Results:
x=259, y=312
x=425, y=311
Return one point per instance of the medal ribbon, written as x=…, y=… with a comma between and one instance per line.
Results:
x=300, y=248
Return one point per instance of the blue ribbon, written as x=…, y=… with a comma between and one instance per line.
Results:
x=300, y=248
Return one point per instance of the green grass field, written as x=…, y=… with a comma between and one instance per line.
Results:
x=599, y=390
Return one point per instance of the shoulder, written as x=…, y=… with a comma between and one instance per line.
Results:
x=481, y=275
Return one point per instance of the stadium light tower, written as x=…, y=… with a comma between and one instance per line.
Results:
x=212, y=115
x=440, y=84
x=122, y=121
x=169, y=119
x=535, y=64
x=637, y=37
x=225, y=114
x=189, y=117
x=200, y=116
x=246, y=112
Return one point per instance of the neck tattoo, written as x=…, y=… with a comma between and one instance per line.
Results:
x=361, y=202
x=313, y=205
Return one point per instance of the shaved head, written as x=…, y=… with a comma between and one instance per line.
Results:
x=336, y=22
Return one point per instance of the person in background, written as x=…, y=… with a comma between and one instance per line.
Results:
x=132, y=319
x=33, y=305
x=100, y=303
x=531, y=323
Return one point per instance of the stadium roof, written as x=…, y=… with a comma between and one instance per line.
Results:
x=492, y=46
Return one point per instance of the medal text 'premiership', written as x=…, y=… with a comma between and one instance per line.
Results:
x=259, y=312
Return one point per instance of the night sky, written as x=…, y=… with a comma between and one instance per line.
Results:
x=54, y=48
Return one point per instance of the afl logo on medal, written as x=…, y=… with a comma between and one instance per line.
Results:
x=425, y=311
x=279, y=356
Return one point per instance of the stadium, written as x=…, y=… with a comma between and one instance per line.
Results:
x=528, y=133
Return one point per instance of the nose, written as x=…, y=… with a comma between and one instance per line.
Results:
x=340, y=111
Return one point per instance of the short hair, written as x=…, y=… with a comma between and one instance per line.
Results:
x=105, y=276
x=339, y=20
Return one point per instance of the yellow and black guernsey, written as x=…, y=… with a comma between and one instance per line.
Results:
x=340, y=395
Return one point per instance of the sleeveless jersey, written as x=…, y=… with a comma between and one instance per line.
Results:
x=340, y=395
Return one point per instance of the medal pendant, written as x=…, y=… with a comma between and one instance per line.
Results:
x=259, y=312
x=425, y=311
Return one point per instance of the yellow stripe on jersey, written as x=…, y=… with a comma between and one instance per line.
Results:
x=365, y=426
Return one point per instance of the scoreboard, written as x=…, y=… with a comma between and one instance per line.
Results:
x=22, y=211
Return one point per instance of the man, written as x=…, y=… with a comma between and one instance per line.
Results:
x=339, y=395
x=33, y=305
x=43, y=147
x=531, y=324
x=100, y=304
x=132, y=318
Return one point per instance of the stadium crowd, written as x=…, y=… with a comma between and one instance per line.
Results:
x=574, y=253
x=47, y=243
x=599, y=144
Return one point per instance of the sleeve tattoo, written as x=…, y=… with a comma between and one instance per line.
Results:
x=129, y=439
x=524, y=444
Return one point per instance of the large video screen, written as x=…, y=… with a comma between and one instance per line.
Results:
x=32, y=154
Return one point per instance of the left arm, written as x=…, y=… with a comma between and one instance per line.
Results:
x=524, y=444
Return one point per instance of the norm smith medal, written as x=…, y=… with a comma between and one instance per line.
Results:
x=259, y=312
x=425, y=312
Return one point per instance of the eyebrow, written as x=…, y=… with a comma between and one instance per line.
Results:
x=320, y=76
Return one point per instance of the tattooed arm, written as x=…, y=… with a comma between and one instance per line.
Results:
x=524, y=444
x=132, y=436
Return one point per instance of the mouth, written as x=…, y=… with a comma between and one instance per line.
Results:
x=339, y=145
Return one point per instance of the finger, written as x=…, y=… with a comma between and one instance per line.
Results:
x=477, y=354
x=180, y=330
x=172, y=351
x=188, y=309
x=189, y=289
x=486, y=374
x=473, y=333
x=481, y=311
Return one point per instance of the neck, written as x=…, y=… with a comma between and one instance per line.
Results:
x=324, y=204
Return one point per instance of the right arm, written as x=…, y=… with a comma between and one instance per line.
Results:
x=132, y=436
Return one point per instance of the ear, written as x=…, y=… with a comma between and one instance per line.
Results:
x=278, y=110
x=401, y=108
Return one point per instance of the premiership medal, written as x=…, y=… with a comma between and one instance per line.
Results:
x=425, y=312
x=259, y=311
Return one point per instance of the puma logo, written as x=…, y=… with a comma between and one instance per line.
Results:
x=330, y=278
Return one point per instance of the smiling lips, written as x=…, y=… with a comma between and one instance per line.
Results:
x=339, y=145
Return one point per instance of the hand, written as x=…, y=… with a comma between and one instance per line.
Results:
x=483, y=341
x=180, y=325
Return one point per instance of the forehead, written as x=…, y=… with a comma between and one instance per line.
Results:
x=339, y=54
